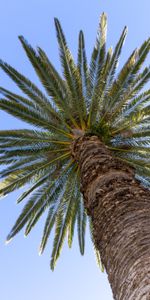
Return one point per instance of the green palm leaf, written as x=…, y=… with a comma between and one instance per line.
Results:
x=29, y=88
x=97, y=66
x=71, y=74
x=63, y=217
x=83, y=67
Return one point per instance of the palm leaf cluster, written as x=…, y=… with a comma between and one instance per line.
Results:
x=91, y=99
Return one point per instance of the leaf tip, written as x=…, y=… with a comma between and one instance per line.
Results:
x=56, y=21
x=22, y=40
x=20, y=37
x=104, y=16
x=1, y=62
x=8, y=240
x=40, y=252
x=126, y=29
x=52, y=267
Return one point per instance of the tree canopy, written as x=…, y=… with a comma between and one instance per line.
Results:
x=89, y=99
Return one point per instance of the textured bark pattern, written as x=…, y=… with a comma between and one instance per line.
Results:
x=120, y=210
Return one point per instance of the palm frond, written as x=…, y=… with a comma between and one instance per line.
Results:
x=98, y=54
x=83, y=67
x=71, y=225
x=130, y=70
x=96, y=66
x=81, y=225
x=29, y=88
x=71, y=75
x=63, y=218
x=19, y=178
x=39, y=201
x=115, y=58
x=37, y=184
x=120, y=85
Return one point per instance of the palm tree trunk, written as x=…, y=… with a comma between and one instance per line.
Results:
x=120, y=210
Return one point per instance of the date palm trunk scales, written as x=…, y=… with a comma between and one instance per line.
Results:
x=119, y=207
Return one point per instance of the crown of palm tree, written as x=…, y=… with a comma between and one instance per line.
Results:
x=87, y=100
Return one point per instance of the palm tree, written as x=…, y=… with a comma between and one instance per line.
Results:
x=88, y=159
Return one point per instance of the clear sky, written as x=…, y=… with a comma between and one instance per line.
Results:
x=23, y=274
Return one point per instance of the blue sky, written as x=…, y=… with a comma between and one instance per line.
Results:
x=23, y=274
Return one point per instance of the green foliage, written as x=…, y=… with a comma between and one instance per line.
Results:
x=87, y=100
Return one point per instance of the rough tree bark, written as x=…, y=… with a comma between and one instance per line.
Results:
x=120, y=210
